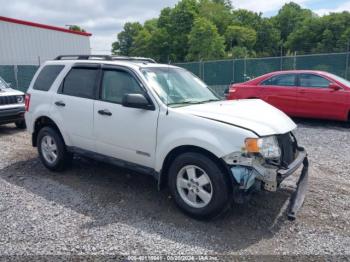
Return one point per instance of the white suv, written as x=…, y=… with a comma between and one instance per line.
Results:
x=163, y=121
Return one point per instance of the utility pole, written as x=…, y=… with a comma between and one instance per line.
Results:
x=281, y=60
x=347, y=60
x=295, y=60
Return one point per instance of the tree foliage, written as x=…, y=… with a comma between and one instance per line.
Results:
x=211, y=29
x=204, y=41
x=76, y=28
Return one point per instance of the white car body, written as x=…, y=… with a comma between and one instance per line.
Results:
x=145, y=138
x=218, y=127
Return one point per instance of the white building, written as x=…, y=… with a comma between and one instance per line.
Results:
x=27, y=43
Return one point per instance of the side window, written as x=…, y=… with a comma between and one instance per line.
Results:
x=80, y=82
x=313, y=81
x=280, y=80
x=116, y=84
x=47, y=76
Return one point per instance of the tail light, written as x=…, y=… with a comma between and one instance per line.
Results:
x=27, y=102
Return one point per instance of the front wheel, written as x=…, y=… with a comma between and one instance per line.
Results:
x=198, y=186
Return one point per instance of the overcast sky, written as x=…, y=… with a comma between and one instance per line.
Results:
x=105, y=18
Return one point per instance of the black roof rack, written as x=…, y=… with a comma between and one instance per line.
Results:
x=105, y=57
x=135, y=59
x=83, y=57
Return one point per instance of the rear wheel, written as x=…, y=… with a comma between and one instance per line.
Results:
x=52, y=150
x=21, y=124
x=198, y=186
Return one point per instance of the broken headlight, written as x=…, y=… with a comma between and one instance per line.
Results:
x=266, y=146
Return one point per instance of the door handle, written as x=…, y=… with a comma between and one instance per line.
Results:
x=60, y=103
x=104, y=112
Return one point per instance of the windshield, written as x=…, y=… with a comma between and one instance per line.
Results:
x=340, y=79
x=2, y=83
x=178, y=87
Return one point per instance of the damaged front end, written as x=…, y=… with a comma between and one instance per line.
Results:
x=265, y=162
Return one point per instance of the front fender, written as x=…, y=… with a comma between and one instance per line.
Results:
x=177, y=129
x=197, y=138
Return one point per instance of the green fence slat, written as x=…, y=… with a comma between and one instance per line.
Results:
x=25, y=74
x=218, y=72
x=332, y=63
x=222, y=72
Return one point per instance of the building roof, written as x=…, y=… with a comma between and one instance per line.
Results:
x=49, y=27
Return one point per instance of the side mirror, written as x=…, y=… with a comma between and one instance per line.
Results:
x=334, y=86
x=137, y=101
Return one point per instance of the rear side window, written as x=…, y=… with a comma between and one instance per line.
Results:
x=47, y=76
x=280, y=80
x=313, y=81
x=80, y=82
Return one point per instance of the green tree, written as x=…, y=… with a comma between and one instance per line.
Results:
x=226, y=3
x=76, y=28
x=140, y=44
x=268, y=41
x=268, y=36
x=205, y=41
x=246, y=18
x=289, y=18
x=159, y=46
x=240, y=52
x=306, y=37
x=240, y=36
x=126, y=38
x=217, y=12
x=181, y=21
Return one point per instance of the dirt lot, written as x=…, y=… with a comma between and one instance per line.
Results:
x=95, y=208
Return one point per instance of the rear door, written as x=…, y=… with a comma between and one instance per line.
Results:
x=281, y=92
x=316, y=99
x=73, y=105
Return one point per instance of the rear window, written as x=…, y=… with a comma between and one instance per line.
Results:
x=80, y=82
x=47, y=76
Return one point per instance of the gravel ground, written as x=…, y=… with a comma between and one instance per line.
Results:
x=94, y=208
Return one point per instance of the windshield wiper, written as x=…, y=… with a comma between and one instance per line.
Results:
x=184, y=103
x=191, y=102
x=209, y=100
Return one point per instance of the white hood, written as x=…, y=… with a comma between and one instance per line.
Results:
x=252, y=114
x=10, y=92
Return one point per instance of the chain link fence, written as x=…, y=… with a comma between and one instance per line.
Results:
x=219, y=74
x=18, y=76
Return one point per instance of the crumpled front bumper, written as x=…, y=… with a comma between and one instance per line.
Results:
x=298, y=196
x=271, y=177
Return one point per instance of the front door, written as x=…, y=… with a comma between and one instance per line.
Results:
x=122, y=132
x=316, y=99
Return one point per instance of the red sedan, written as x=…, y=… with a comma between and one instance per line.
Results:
x=310, y=94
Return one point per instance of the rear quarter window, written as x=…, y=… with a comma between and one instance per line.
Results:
x=47, y=76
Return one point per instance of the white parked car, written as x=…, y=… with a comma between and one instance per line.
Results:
x=11, y=105
x=163, y=121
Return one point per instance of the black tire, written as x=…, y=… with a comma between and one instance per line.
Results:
x=221, y=193
x=64, y=157
x=21, y=124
